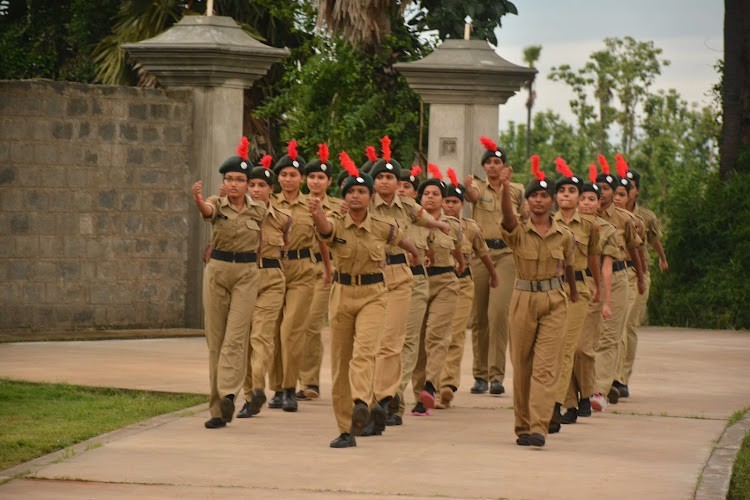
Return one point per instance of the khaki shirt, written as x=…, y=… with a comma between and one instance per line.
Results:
x=330, y=204
x=540, y=257
x=302, y=232
x=651, y=224
x=607, y=238
x=418, y=236
x=487, y=210
x=625, y=235
x=234, y=231
x=360, y=249
x=586, y=234
x=442, y=244
x=277, y=223
x=404, y=210
x=473, y=240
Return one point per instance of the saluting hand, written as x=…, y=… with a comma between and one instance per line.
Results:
x=198, y=192
x=313, y=205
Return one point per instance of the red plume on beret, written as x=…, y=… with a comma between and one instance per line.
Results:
x=266, y=162
x=371, y=154
x=291, y=149
x=435, y=171
x=622, y=166
x=563, y=167
x=488, y=143
x=385, y=147
x=535, y=168
x=243, y=148
x=323, y=152
x=416, y=171
x=592, y=173
x=348, y=164
x=452, y=176
x=603, y=162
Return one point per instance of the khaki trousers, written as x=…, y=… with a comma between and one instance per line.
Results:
x=576, y=317
x=409, y=354
x=436, y=333
x=229, y=292
x=583, y=379
x=451, y=375
x=489, y=326
x=537, y=331
x=290, y=327
x=398, y=280
x=357, y=314
x=607, y=353
x=265, y=314
x=312, y=356
x=632, y=323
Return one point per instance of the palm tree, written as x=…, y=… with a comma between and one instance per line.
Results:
x=530, y=56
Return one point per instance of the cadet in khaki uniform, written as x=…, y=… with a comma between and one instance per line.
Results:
x=275, y=231
x=582, y=380
x=446, y=261
x=585, y=261
x=490, y=310
x=472, y=244
x=542, y=248
x=358, y=297
x=419, y=295
x=608, y=347
x=230, y=278
x=318, y=177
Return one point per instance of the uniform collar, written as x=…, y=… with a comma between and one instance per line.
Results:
x=366, y=224
x=554, y=227
x=224, y=202
x=558, y=217
x=301, y=199
x=378, y=200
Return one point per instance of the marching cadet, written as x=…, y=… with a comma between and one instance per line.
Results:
x=358, y=296
x=446, y=261
x=568, y=189
x=542, y=248
x=398, y=279
x=275, y=230
x=472, y=244
x=409, y=183
x=490, y=310
x=583, y=379
x=608, y=346
x=230, y=277
x=318, y=178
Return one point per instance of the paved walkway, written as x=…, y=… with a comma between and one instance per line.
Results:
x=652, y=445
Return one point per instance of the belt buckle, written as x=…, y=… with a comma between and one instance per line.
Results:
x=357, y=279
x=535, y=286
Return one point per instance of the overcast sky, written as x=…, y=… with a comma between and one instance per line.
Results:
x=690, y=32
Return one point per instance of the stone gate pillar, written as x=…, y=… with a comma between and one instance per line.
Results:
x=217, y=60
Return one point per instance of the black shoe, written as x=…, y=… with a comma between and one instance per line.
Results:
x=393, y=404
x=276, y=400
x=300, y=395
x=622, y=389
x=345, y=440
x=554, y=423
x=289, y=401
x=536, y=439
x=570, y=417
x=523, y=440
x=393, y=419
x=376, y=423
x=226, y=405
x=480, y=386
x=419, y=410
x=360, y=414
x=584, y=407
x=496, y=387
x=215, y=423
x=245, y=412
x=613, y=395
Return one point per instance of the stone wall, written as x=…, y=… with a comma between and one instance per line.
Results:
x=94, y=198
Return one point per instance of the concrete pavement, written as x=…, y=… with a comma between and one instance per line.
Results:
x=653, y=445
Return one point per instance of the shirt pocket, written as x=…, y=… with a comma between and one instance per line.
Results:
x=274, y=239
x=486, y=203
x=377, y=251
x=252, y=225
x=342, y=250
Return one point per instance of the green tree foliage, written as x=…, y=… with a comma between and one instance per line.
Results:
x=447, y=17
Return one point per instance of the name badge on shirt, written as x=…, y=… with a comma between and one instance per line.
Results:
x=486, y=198
x=339, y=240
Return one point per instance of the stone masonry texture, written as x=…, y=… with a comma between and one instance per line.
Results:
x=94, y=192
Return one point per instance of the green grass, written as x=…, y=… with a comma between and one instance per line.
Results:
x=737, y=416
x=41, y=418
x=739, y=486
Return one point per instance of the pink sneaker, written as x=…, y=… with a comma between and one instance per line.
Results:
x=598, y=402
x=427, y=399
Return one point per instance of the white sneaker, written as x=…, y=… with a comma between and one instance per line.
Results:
x=598, y=402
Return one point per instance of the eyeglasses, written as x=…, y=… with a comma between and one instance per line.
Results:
x=235, y=180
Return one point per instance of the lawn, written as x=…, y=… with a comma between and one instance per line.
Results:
x=739, y=487
x=41, y=418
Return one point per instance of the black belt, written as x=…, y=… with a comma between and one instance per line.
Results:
x=418, y=270
x=319, y=257
x=433, y=271
x=242, y=257
x=357, y=279
x=467, y=272
x=496, y=244
x=395, y=259
x=302, y=253
x=618, y=266
x=629, y=263
x=270, y=263
x=588, y=272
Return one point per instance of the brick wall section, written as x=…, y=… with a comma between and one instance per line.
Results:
x=94, y=194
